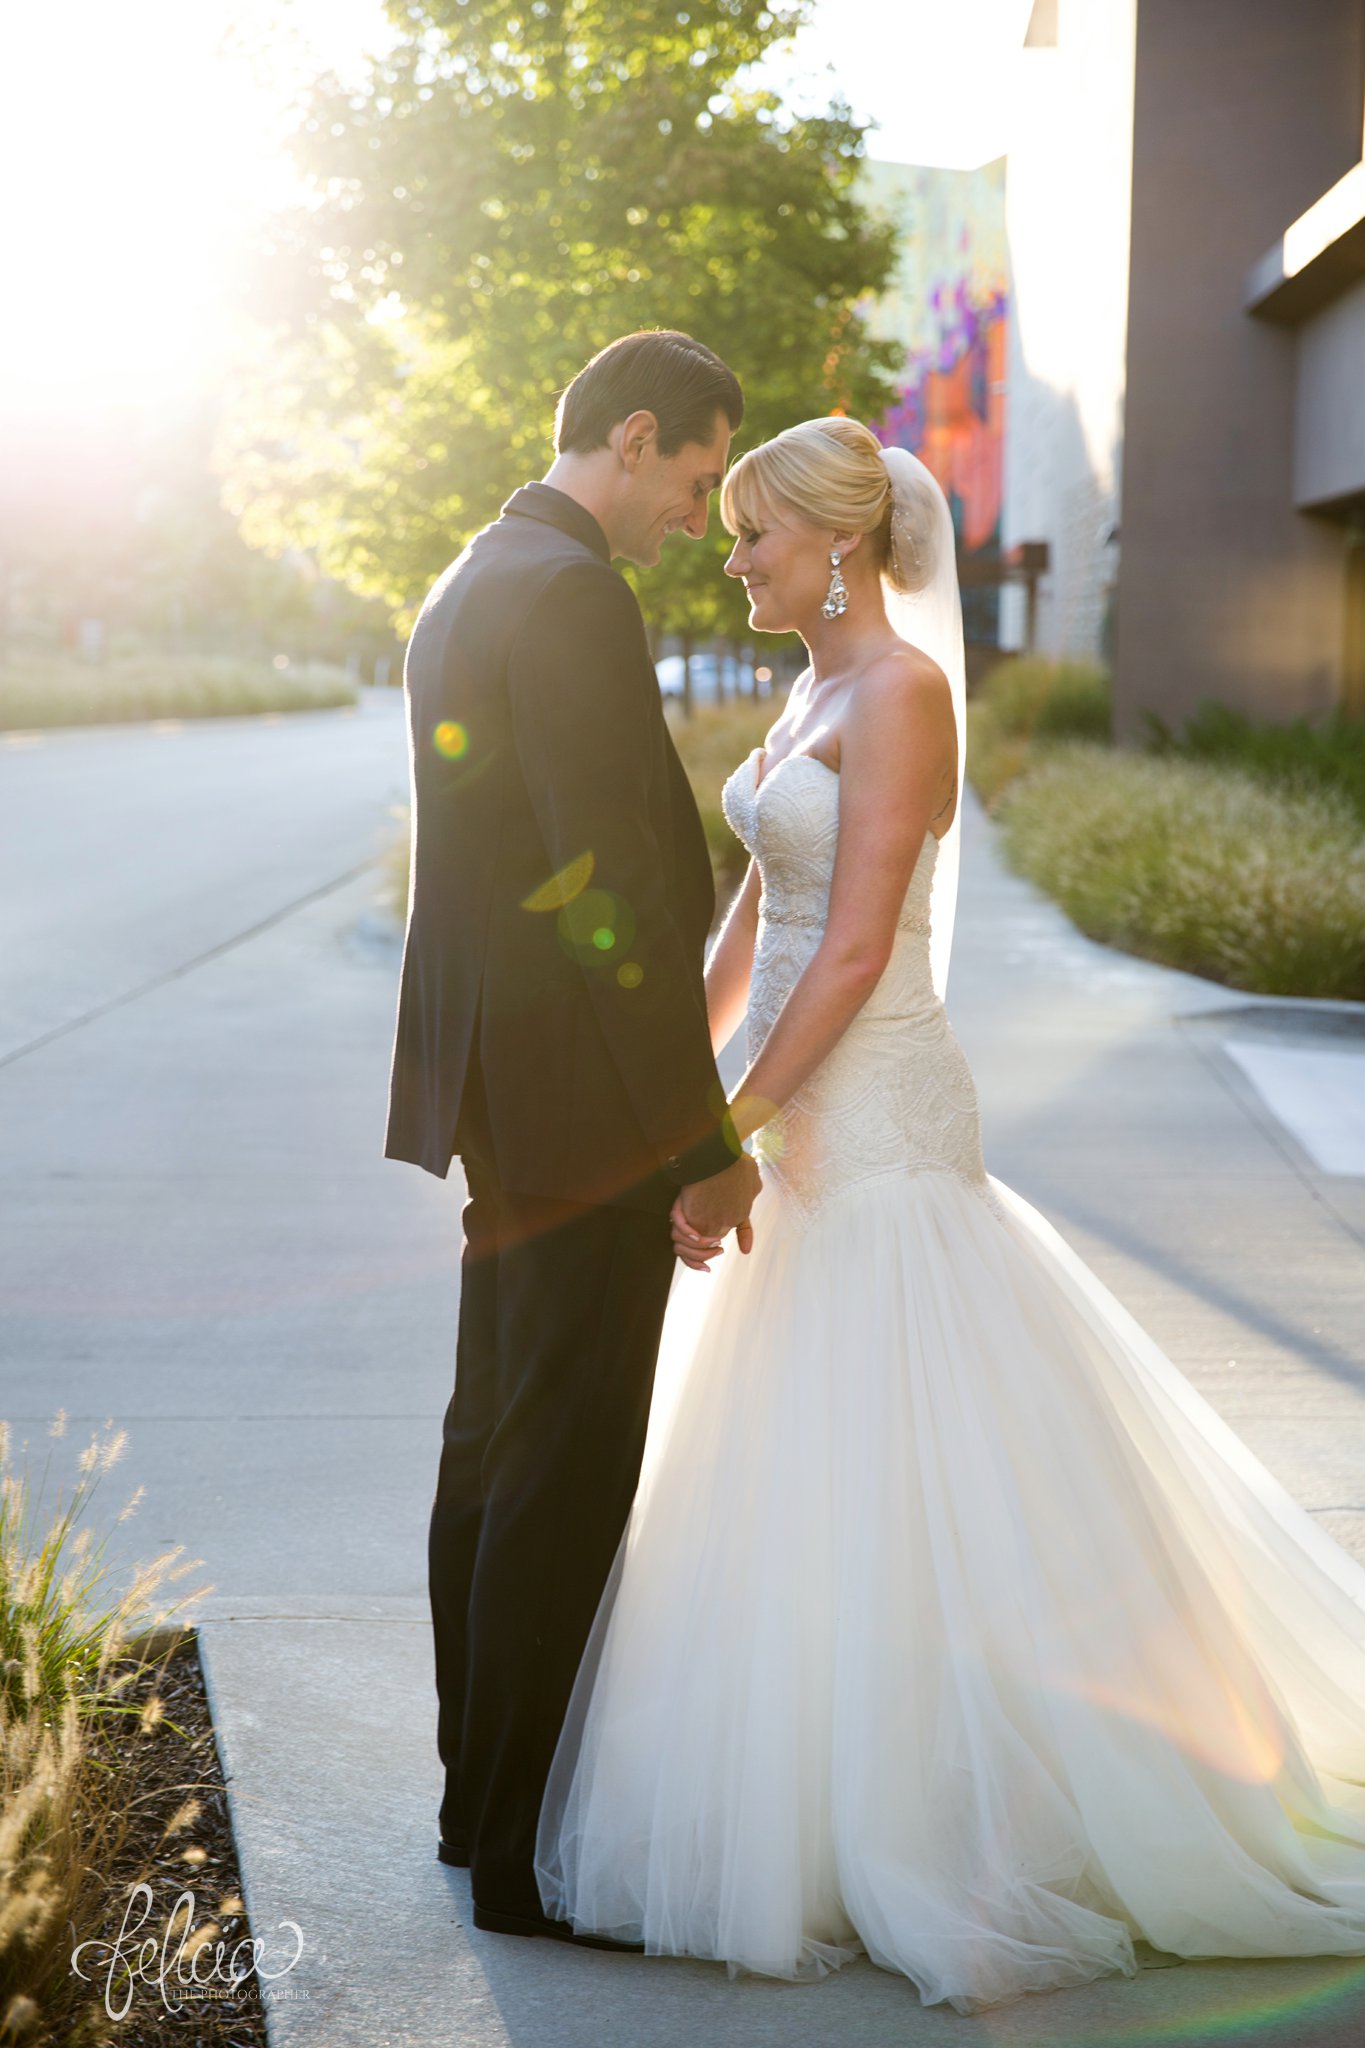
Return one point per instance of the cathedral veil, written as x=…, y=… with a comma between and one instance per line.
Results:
x=929, y=615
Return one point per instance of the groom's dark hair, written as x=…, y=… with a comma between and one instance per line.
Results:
x=683, y=383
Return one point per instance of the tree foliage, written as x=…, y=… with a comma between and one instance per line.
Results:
x=517, y=182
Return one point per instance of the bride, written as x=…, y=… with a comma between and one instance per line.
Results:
x=950, y=1625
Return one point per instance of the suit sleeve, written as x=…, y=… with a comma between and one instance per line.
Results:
x=584, y=700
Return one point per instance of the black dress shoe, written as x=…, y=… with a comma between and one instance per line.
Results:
x=456, y=1854
x=554, y=1930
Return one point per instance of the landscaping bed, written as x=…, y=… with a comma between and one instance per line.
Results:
x=712, y=743
x=121, y=1913
x=178, y=1840
x=46, y=689
x=1234, y=852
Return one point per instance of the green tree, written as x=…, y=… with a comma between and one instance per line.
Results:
x=518, y=182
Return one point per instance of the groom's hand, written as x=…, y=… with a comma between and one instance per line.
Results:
x=706, y=1210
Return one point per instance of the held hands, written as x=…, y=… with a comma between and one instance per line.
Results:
x=707, y=1209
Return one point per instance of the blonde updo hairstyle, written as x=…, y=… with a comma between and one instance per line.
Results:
x=830, y=471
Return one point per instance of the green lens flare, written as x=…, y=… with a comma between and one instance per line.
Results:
x=595, y=924
x=450, y=740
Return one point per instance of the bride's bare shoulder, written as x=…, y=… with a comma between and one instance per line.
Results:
x=904, y=676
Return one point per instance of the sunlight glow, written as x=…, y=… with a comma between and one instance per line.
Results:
x=132, y=169
x=135, y=167
x=1325, y=222
x=940, y=78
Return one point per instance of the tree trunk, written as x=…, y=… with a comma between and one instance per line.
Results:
x=687, y=705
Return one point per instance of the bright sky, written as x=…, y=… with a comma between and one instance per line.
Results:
x=133, y=155
x=138, y=138
x=940, y=78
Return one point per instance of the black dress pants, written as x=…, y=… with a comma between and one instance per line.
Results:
x=560, y=1315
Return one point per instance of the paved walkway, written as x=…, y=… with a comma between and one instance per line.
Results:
x=201, y=1238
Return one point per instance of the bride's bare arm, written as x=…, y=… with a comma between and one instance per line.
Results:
x=731, y=963
x=897, y=764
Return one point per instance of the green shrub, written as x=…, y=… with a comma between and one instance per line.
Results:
x=712, y=743
x=1329, y=755
x=1026, y=706
x=1030, y=698
x=994, y=757
x=1198, y=865
x=47, y=689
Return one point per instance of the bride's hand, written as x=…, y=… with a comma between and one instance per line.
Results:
x=698, y=1252
x=691, y=1246
x=696, y=1247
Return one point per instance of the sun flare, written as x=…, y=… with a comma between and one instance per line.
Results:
x=135, y=167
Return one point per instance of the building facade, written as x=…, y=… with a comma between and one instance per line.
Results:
x=1140, y=341
x=1244, y=418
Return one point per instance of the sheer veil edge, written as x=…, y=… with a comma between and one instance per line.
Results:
x=931, y=619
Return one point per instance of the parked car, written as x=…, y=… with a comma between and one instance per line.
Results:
x=706, y=677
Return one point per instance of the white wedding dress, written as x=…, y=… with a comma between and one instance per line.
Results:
x=950, y=1624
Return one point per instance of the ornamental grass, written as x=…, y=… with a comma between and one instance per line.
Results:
x=712, y=743
x=1025, y=706
x=1200, y=866
x=43, y=689
x=70, y=1648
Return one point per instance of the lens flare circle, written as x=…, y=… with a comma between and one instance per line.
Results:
x=562, y=888
x=596, y=923
x=450, y=740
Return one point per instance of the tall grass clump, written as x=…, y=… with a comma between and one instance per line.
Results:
x=1326, y=755
x=1029, y=704
x=1039, y=699
x=712, y=743
x=70, y=1647
x=49, y=689
x=1199, y=866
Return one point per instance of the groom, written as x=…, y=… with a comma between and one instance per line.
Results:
x=552, y=1031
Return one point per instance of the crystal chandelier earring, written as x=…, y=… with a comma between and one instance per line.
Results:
x=836, y=603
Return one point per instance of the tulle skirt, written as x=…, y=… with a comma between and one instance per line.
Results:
x=951, y=1625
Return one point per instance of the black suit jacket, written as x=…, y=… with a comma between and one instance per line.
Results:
x=561, y=888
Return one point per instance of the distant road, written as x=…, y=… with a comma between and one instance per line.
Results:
x=128, y=852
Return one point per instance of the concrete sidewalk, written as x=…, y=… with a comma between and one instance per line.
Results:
x=210, y=1247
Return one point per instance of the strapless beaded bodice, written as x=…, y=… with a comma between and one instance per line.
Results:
x=896, y=1094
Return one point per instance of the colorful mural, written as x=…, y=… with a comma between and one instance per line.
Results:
x=948, y=307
